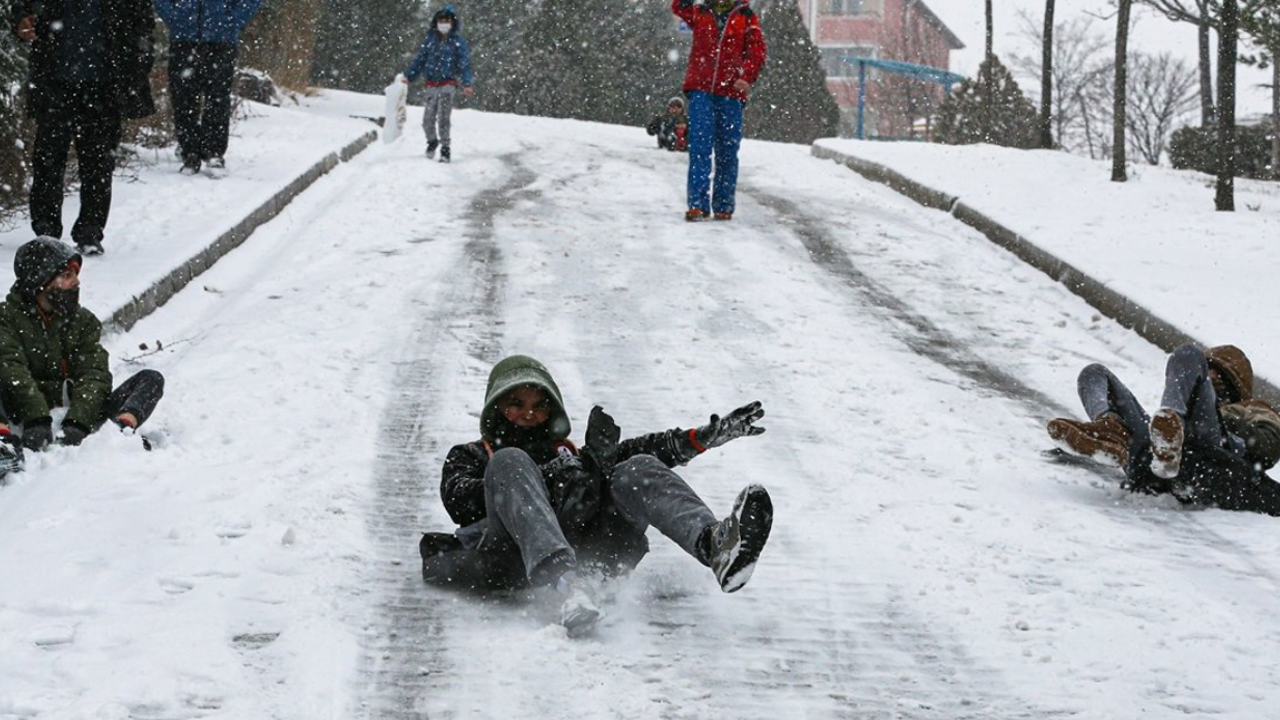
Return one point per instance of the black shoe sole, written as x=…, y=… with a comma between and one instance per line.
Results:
x=753, y=512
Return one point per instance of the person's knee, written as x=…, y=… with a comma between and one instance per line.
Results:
x=1091, y=373
x=636, y=472
x=1187, y=356
x=152, y=379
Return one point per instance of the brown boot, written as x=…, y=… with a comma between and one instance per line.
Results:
x=1104, y=440
x=1167, y=435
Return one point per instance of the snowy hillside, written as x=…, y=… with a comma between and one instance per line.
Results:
x=925, y=562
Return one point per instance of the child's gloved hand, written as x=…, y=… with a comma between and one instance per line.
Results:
x=37, y=434
x=736, y=424
x=73, y=434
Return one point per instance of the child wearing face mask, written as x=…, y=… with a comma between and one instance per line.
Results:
x=51, y=355
x=444, y=62
x=534, y=509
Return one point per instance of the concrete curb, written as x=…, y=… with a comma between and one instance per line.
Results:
x=1154, y=329
x=165, y=288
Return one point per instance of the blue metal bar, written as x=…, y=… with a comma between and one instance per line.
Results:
x=862, y=96
x=922, y=72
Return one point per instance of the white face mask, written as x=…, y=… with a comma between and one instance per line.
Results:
x=444, y=28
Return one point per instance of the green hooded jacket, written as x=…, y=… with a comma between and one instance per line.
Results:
x=37, y=356
x=509, y=374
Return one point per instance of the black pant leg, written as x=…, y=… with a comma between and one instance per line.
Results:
x=138, y=395
x=219, y=66
x=185, y=93
x=97, y=135
x=53, y=141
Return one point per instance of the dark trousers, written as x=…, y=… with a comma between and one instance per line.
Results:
x=200, y=76
x=95, y=130
x=138, y=396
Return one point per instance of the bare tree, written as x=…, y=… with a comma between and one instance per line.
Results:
x=1228, y=37
x=1161, y=92
x=1202, y=14
x=1046, y=78
x=1118, y=173
x=1081, y=72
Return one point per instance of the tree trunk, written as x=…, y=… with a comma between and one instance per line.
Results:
x=1275, y=113
x=1046, y=79
x=990, y=33
x=1206, y=69
x=1118, y=173
x=1228, y=33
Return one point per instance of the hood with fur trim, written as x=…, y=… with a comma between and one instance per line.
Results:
x=1234, y=367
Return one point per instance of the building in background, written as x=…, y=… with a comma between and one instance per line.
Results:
x=902, y=30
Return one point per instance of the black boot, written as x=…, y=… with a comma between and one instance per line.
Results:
x=732, y=546
x=444, y=153
x=431, y=148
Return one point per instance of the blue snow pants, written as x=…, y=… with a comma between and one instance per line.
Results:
x=715, y=125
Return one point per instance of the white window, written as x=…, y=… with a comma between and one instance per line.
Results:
x=836, y=67
x=847, y=7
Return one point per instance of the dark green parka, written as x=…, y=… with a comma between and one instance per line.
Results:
x=40, y=353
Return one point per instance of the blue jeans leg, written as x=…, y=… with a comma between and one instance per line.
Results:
x=1101, y=392
x=728, y=128
x=701, y=136
x=1189, y=392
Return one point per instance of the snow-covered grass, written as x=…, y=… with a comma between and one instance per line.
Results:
x=925, y=563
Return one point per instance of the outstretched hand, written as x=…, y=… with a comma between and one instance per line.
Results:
x=739, y=423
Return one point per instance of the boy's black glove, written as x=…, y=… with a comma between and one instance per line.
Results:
x=73, y=434
x=730, y=427
x=601, y=451
x=37, y=434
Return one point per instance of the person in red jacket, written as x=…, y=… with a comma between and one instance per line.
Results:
x=725, y=59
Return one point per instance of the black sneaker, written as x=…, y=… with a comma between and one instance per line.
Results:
x=733, y=545
x=444, y=154
x=431, y=148
x=92, y=247
x=190, y=164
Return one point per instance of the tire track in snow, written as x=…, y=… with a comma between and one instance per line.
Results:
x=918, y=332
x=927, y=339
x=404, y=647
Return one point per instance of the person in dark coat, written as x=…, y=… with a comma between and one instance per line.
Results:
x=533, y=509
x=1209, y=443
x=444, y=62
x=204, y=38
x=725, y=59
x=51, y=355
x=90, y=67
x=671, y=127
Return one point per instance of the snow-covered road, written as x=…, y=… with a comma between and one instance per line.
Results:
x=925, y=562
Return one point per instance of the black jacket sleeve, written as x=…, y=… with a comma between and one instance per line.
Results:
x=671, y=447
x=462, y=483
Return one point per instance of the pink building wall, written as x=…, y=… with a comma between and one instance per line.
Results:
x=903, y=30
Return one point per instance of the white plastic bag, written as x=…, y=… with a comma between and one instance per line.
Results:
x=396, y=111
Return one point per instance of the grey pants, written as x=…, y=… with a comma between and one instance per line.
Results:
x=1187, y=390
x=438, y=112
x=644, y=491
